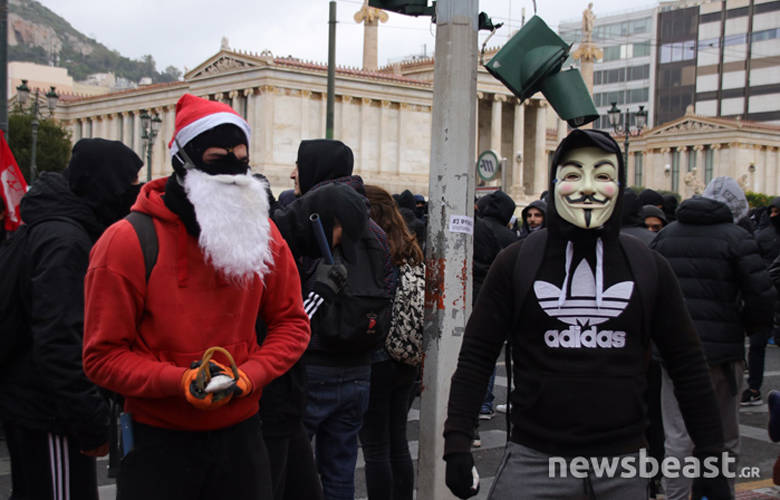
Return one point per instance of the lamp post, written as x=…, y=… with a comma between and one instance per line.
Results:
x=22, y=95
x=150, y=126
x=614, y=113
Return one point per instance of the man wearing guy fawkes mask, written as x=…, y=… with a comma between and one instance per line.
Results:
x=579, y=307
x=221, y=263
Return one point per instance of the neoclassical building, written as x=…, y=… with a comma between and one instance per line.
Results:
x=685, y=154
x=383, y=115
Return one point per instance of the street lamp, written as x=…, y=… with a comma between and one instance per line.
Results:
x=613, y=115
x=22, y=95
x=150, y=127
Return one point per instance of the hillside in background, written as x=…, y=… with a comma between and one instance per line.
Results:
x=36, y=34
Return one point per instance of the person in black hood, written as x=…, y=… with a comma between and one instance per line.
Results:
x=52, y=414
x=651, y=197
x=768, y=237
x=632, y=222
x=407, y=205
x=338, y=381
x=533, y=217
x=728, y=292
x=580, y=305
x=670, y=207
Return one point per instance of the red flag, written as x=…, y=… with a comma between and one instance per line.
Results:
x=12, y=185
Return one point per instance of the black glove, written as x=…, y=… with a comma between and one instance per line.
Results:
x=458, y=476
x=711, y=488
x=333, y=277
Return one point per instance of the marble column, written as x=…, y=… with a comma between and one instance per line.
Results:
x=518, y=154
x=383, y=134
x=265, y=106
x=699, y=151
x=540, y=155
x=305, y=98
x=364, y=141
x=664, y=160
x=495, y=123
x=235, y=101
x=403, y=109
x=563, y=130
x=717, y=156
x=138, y=145
x=771, y=168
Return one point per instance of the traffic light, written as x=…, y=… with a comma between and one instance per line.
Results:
x=531, y=61
x=408, y=7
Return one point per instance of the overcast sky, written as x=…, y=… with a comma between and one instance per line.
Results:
x=185, y=33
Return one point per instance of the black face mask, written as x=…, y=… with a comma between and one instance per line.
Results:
x=225, y=165
x=113, y=210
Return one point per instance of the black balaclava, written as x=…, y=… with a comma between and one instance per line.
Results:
x=497, y=205
x=776, y=219
x=101, y=172
x=321, y=160
x=582, y=139
x=222, y=136
x=650, y=197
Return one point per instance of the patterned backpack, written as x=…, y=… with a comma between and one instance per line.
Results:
x=404, y=341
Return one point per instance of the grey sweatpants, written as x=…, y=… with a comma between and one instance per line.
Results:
x=677, y=442
x=524, y=474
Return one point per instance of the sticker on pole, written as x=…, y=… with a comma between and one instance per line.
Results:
x=488, y=165
x=461, y=224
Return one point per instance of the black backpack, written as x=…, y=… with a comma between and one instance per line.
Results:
x=358, y=320
x=14, y=306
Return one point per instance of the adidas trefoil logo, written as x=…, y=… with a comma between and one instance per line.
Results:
x=581, y=311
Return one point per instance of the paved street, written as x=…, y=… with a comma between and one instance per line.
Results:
x=757, y=450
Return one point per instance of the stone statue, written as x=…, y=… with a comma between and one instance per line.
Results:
x=588, y=20
x=225, y=45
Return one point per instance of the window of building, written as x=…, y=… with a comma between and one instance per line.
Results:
x=735, y=39
x=121, y=126
x=597, y=75
x=675, y=170
x=640, y=26
x=691, y=160
x=638, y=95
x=639, y=72
x=637, y=169
x=615, y=75
x=760, y=36
x=89, y=127
x=642, y=49
x=709, y=157
x=678, y=51
x=612, y=53
x=617, y=96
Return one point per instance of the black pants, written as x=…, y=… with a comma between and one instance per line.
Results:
x=167, y=465
x=293, y=472
x=389, y=470
x=46, y=466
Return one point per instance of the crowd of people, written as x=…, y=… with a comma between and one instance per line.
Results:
x=255, y=344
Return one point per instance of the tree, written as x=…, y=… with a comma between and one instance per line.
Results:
x=171, y=74
x=54, y=143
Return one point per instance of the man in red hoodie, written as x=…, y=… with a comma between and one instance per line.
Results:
x=221, y=262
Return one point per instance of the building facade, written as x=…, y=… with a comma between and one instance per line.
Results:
x=384, y=116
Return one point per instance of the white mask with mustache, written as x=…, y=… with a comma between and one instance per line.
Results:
x=586, y=187
x=235, y=232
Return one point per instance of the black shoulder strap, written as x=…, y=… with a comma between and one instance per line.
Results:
x=645, y=272
x=147, y=236
x=529, y=260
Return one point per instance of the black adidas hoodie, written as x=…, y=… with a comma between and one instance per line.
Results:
x=579, y=343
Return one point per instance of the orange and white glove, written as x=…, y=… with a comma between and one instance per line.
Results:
x=211, y=388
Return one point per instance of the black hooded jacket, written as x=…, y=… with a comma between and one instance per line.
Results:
x=724, y=281
x=768, y=237
x=321, y=160
x=631, y=220
x=45, y=387
x=539, y=205
x=580, y=340
x=491, y=234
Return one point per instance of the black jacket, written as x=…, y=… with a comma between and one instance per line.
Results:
x=724, y=281
x=491, y=234
x=539, y=205
x=768, y=236
x=45, y=387
x=580, y=340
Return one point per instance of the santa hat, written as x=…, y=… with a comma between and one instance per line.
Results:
x=195, y=115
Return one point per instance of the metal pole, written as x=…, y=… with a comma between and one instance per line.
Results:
x=331, y=70
x=34, y=145
x=451, y=209
x=4, y=65
x=149, y=159
x=625, y=145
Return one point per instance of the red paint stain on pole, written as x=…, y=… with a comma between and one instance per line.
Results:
x=434, y=283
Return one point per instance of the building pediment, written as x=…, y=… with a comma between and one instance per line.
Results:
x=225, y=61
x=686, y=125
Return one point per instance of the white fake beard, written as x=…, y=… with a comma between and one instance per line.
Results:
x=235, y=233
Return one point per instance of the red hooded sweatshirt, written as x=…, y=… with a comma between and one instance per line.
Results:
x=140, y=337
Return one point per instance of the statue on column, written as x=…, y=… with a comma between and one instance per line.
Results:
x=588, y=20
x=370, y=16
